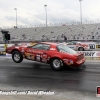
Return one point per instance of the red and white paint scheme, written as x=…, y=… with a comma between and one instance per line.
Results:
x=56, y=54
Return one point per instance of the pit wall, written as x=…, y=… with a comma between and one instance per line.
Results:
x=88, y=54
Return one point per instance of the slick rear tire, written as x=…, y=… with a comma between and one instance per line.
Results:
x=17, y=57
x=80, y=49
x=56, y=64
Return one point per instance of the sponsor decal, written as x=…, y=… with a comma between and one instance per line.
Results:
x=44, y=60
x=29, y=50
x=27, y=55
x=30, y=56
x=48, y=58
x=33, y=51
x=22, y=50
x=17, y=47
x=33, y=57
x=52, y=49
x=39, y=52
x=38, y=57
x=44, y=56
x=71, y=61
x=98, y=91
x=68, y=61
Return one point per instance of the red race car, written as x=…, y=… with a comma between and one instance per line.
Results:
x=56, y=54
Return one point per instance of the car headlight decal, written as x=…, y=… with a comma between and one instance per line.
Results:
x=68, y=61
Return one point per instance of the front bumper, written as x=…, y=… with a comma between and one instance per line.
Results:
x=80, y=62
x=75, y=64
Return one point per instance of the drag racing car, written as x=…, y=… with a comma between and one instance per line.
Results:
x=81, y=46
x=56, y=54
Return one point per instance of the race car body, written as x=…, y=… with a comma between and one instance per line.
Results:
x=55, y=54
x=80, y=46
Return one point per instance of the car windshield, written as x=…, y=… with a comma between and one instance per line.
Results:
x=64, y=48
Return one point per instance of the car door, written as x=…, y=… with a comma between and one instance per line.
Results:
x=41, y=52
x=38, y=52
x=29, y=53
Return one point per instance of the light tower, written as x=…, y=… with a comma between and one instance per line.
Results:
x=46, y=13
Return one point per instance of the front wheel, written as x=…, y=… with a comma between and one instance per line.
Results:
x=56, y=64
x=17, y=57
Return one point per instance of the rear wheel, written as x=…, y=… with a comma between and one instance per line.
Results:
x=80, y=49
x=56, y=64
x=17, y=57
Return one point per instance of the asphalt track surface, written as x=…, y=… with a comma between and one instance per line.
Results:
x=69, y=83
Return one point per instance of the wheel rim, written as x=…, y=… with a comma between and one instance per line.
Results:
x=16, y=57
x=81, y=49
x=56, y=63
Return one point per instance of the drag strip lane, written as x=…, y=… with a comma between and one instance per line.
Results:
x=34, y=75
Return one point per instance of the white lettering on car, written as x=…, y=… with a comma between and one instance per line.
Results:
x=38, y=57
x=39, y=52
x=33, y=51
x=44, y=60
x=17, y=47
x=62, y=51
x=52, y=49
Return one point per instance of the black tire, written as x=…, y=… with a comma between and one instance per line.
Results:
x=17, y=54
x=55, y=67
x=80, y=49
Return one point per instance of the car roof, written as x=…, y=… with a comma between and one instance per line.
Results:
x=50, y=43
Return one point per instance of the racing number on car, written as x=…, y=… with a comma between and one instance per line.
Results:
x=92, y=46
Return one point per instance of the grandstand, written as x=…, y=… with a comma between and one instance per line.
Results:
x=55, y=33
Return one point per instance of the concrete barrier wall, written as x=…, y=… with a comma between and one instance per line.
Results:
x=88, y=54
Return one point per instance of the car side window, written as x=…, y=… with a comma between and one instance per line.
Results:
x=36, y=46
x=41, y=46
x=74, y=43
x=46, y=47
x=70, y=43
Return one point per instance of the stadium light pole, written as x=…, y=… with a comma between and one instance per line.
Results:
x=80, y=12
x=46, y=13
x=16, y=16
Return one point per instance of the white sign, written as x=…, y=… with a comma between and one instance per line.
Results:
x=91, y=53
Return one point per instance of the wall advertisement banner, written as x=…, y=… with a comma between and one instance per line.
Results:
x=91, y=53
